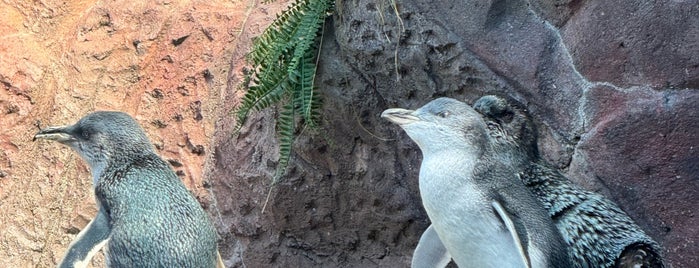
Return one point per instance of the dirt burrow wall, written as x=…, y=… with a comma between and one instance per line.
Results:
x=164, y=62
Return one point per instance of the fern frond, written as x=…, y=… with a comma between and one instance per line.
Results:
x=286, y=127
x=262, y=95
x=283, y=66
x=278, y=38
x=306, y=88
x=307, y=30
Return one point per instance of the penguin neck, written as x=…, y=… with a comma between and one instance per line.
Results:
x=456, y=157
x=99, y=168
x=437, y=168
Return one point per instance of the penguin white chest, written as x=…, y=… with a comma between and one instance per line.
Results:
x=465, y=221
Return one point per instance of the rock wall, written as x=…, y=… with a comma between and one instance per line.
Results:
x=613, y=87
x=164, y=62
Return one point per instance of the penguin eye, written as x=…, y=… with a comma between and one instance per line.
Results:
x=443, y=114
x=84, y=134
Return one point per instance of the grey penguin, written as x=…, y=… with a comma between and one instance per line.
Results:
x=146, y=217
x=597, y=231
x=481, y=214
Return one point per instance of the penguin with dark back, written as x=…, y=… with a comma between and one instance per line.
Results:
x=146, y=217
x=482, y=215
x=597, y=231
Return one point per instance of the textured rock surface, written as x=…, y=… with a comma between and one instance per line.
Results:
x=618, y=120
x=642, y=151
x=164, y=62
x=628, y=43
x=612, y=86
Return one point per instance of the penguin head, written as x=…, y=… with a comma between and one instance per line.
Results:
x=101, y=138
x=442, y=124
x=510, y=125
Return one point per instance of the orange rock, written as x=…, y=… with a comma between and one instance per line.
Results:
x=63, y=59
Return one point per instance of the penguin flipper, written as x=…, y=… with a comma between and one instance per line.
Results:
x=509, y=224
x=219, y=260
x=88, y=242
x=430, y=252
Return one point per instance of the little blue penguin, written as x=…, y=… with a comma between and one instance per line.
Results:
x=146, y=217
x=482, y=215
x=597, y=231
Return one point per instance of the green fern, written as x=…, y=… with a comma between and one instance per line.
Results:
x=283, y=67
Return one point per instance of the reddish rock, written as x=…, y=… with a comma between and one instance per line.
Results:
x=630, y=43
x=63, y=59
x=642, y=150
x=615, y=117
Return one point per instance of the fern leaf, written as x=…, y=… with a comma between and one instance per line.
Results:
x=287, y=126
x=282, y=70
x=306, y=88
x=307, y=30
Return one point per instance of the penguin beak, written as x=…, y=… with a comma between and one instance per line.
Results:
x=400, y=116
x=58, y=133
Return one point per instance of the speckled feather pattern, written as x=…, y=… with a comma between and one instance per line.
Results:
x=145, y=212
x=147, y=203
x=597, y=231
x=595, y=228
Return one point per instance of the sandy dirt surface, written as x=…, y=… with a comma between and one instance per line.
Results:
x=164, y=62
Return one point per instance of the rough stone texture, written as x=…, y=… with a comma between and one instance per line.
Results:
x=623, y=124
x=164, y=62
x=619, y=119
x=628, y=43
x=642, y=151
